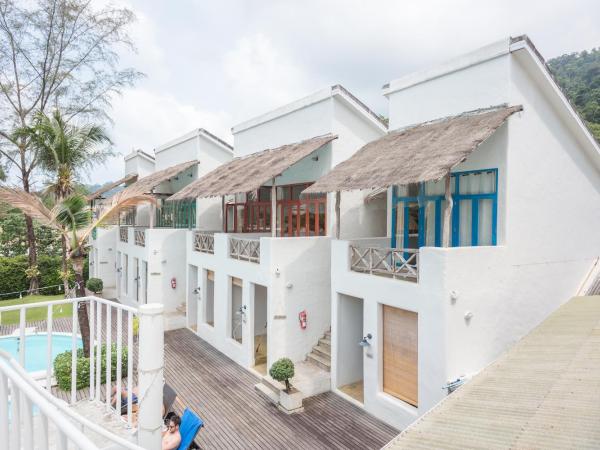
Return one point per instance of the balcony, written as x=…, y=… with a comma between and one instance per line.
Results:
x=244, y=249
x=385, y=261
x=140, y=237
x=123, y=234
x=204, y=242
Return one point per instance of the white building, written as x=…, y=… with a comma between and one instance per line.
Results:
x=415, y=298
x=142, y=258
x=523, y=231
x=258, y=292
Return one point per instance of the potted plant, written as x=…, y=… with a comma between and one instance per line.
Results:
x=290, y=399
x=95, y=285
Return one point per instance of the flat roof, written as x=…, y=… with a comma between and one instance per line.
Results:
x=323, y=94
x=542, y=393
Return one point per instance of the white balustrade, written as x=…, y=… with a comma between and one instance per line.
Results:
x=392, y=262
x=245, y=249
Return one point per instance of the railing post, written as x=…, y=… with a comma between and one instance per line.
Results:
x=150, y=375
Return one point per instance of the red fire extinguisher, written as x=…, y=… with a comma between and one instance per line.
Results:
x=302, y=319
x=173, y=283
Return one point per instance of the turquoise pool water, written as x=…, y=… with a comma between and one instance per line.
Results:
x=36, y=348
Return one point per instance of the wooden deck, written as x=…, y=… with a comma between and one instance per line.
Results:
x=235, y=416
x=222, y=394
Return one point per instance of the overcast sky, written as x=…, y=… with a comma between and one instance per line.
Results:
x=213, y=64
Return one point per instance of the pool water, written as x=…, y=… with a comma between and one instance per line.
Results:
x=36, y=348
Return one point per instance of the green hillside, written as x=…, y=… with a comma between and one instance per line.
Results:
x=579, y=76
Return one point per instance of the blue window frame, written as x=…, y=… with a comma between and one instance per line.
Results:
x=474, y=211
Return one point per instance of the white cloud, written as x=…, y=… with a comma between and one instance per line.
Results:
x=261, y=76
x=144, y=120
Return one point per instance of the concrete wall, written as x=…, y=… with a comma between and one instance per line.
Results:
x=295, y=276
x=136, y=163
x=163, y=253
x=105, y=253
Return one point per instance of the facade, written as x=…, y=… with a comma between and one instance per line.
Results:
x=257, y=293
x=141, y=257
x=389, y=300
x=523, y=239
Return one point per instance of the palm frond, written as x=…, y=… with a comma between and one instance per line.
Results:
x=30, y=205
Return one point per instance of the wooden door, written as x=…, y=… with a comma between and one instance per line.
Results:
x=400, y=354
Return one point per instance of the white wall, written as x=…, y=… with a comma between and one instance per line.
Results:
x=163, y=252
x=136, y=163
x=105, y=250
x=303, y=283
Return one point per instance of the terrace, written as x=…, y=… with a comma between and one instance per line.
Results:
x=222, y=394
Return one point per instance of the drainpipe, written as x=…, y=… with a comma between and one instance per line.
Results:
x=150, y=375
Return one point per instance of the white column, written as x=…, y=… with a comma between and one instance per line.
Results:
x=150, y=375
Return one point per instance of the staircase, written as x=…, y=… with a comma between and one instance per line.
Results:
x=321, y=353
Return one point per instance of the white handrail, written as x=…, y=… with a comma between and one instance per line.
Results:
x=27, y=388
x=27, y=385
x=65, y=301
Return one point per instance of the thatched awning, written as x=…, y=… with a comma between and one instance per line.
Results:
x=247, y=173
x=418, y=153
x=146, y=184
x=107, y=187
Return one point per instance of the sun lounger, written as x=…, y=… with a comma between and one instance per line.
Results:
x=189, y=427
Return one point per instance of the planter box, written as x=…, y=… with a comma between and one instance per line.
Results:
x=290, y=403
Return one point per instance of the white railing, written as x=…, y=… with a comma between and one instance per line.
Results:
x=392, y=262
x=99, y=310
x=123, y=234
x=140, y=237
x=204, y=242
x=245, y=249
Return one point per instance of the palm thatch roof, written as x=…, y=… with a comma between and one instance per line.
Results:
x=107, y=187
x=146, y=184
x=423, y=152
x=247, y=173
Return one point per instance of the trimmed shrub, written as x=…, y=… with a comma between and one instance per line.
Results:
x=95, y=285
x=62, y=367
x=283, y=370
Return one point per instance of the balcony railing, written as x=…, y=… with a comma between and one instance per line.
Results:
x=390, y=262
x=204, y=242
x=123, y=234
x=245, y=249
x=140, y=238
x=32, y=401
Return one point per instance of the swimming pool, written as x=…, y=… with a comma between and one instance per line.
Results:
x=36, y=348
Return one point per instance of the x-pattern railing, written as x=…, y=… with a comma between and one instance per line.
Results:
x=123, y=234
x=398, y=263
x=140, y=238
x=204, y=242
x=245, y=249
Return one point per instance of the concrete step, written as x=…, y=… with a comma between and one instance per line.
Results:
x=328, y=334
x=321, y=362
x=323, y=351
x=325, y=343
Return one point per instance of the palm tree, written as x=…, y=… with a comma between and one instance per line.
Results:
x=64, y=151
x=72, y=218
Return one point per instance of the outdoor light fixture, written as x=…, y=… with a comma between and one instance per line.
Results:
x=365, y=341
x=277, y=272
x=197, y=290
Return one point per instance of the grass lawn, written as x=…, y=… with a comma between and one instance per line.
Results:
x=12, y=317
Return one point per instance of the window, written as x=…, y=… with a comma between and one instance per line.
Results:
x=417, y=219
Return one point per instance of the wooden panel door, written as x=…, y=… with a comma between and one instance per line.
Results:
x=400, y=354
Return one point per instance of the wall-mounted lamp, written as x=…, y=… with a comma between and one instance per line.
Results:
x=277, y=272
x=366, y=340
x=453, y=296
x=119, y=269
x=241, y=310
x=315, y=158
x=468, y=316
x=289, y=285
x=196, y=290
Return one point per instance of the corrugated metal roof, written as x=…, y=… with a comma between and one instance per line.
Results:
x=543, y=393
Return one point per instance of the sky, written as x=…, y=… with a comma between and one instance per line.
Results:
x=214, y=64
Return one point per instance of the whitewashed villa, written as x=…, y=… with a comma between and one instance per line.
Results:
x=391, y=262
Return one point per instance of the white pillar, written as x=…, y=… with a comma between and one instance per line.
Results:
x=150, y=375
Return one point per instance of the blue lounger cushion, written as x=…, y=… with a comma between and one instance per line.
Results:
x=190, y=424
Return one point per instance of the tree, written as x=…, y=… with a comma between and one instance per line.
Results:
x=61, y=54
x=65, y=150
x=72, y=217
